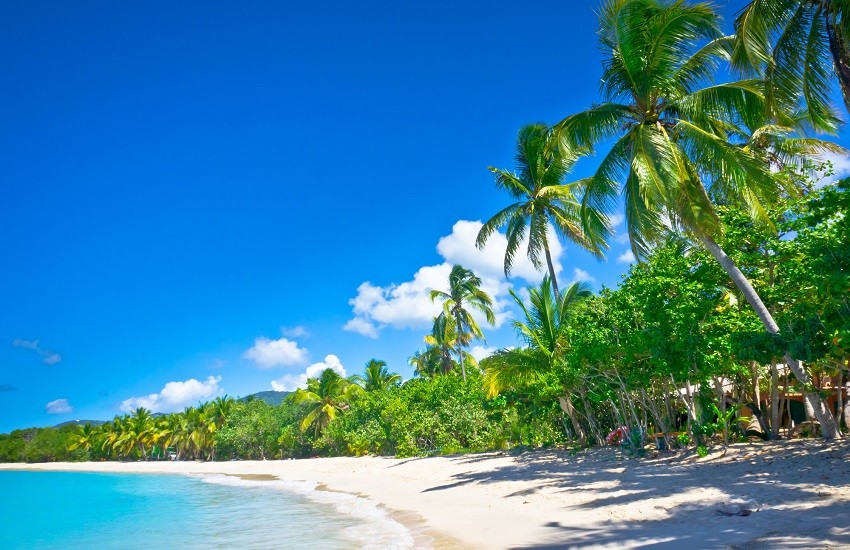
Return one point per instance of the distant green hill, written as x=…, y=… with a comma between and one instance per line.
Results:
x=80, y=423
x=271, y=397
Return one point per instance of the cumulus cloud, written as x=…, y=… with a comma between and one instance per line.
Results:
x=291, y=382
x=267, y=353
x=175, y=396
x=59, y=406
x=408, y=304
x=361, y=326
x=459, y=248
x=47, y=357
x=480, y=352
x=627, y=257
x=582, y=276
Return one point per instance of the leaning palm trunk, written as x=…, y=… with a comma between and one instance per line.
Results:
x=774, y=401
x=828, y=427
x=551, y=267
x=567, y=407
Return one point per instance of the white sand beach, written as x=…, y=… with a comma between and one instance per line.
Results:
x=797, y=494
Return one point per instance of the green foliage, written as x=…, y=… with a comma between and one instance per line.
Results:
x=39, y=445
x=253, y=431
x=441, y=415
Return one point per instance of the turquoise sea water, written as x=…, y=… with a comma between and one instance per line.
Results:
x=87, y=510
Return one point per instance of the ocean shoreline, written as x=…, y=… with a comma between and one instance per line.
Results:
x=596, y=498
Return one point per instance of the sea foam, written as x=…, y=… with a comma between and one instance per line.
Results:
x=375, y=528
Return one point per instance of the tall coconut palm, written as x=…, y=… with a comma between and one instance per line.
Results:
x=464, y=290
x=85, y=438
x=376, y=376
x=136, y=432
x=219, y=410
x=544, y=332
x=797, y=45
x=542, y=199
x=672, y=145
x=325, y=397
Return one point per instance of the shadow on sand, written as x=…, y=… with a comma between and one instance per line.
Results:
x=780, y=480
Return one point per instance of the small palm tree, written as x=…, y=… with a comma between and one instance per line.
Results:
x=376, y=376
x=441, y=342
x=542, y=199
x=464, y=290
x=325, y=397
x=544, y=332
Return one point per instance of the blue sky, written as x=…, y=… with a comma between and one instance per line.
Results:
x=204, y=198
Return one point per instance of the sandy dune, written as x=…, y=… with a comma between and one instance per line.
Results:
x=797, y=493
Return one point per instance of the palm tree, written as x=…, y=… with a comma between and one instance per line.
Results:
x=672, y=139
x=136, y=433
x=797, y=45
x=325, y=398
x=85, y=438
x=544, y=332
x=220, y=409
x=441, y=341
x=542, y=199
x=376, y=376
x=464, y=289
x=111, y=433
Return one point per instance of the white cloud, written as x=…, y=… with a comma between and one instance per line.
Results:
x=361, y=326
x=408, y=304
x=59, y=406
x=48, y=357
x=267, y=353
x=480, y=352
x=627, y=257
x=175, y=396
x=459, y=248
x=616, y=219
x=581, y=275
x=291, y=382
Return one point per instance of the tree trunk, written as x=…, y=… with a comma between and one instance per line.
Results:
x=774, y=400
x=567, y=407
x=839, y=406
x=810, y=409
x=721, y=405
x=591, y=417
x=460, y=347
x=847, y=408
x=822, y=413
x=756, y=389
x=839, y=57
x=551, y=270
